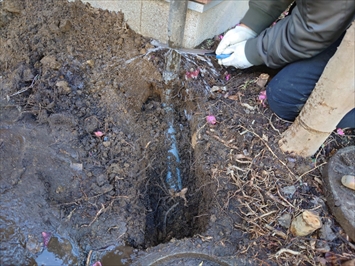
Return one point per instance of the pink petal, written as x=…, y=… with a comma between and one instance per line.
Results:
x=97, y=264
x=340, y=132
x=262, y=96
x=46, y=237
x=192, y=74
x=220, y=37
x=211, y=119
x=98, y=134
x=228, y=77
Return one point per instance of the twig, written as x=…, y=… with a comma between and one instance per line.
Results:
x=285, y=200
x=166, y=215
x=88, y=258
x=307, y=172
x=26, y=88
x=88, y=198
x=222, y=141
x=285, y=250
x=103, y=209
x=275, y=199
x=276, y=232
x=271, y=124
x=268, y=147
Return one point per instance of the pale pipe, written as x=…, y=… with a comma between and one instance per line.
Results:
x=332, y=97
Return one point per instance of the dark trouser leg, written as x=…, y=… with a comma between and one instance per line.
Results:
x=289, y=90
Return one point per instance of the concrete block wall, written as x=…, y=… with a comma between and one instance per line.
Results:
x=203, y=21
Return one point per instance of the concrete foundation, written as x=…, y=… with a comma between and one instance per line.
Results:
x=203, y=21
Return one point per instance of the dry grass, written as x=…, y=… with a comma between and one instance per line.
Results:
x=258, y=171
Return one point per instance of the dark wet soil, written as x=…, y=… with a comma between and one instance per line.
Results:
x=86, y=147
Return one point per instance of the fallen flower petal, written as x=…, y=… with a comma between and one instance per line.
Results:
x=262, y=98
x=46, y=237
x=98, y=134
x=98, y=263
x=262, y=95
x=340, y=132
x=192, y=74
x=228, y=76
x=211, y=119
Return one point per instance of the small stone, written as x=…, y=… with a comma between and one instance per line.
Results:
x=59, y=189
x=285, y=220
x=106, y=143
x=51, y=62
x=106, y=188
x=213, y=218
x=65, y=25
x=33, y=245
x=90, y=63
x=327, y=232
x=13, y=6
x=77, y=166
x=305, y=223
x=322, y=246
x=28, y=75
x=101, y=180
x=289, y=191
x=348, y=181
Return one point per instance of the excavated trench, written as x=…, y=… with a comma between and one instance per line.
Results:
x=104, y=153
x=171, y=196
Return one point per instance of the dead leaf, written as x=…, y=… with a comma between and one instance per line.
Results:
x=233, y=97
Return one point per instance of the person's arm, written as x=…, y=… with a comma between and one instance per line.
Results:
x=312, y=26
x=261, y=14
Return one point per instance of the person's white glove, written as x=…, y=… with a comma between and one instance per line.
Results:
x=237, y=57
x=234, y=36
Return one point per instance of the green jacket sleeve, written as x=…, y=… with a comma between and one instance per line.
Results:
x=312, y=26
x=261, y=14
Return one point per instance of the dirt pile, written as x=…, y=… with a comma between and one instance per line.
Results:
x=86, y=135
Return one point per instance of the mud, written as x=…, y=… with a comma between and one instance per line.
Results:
x=86, y=146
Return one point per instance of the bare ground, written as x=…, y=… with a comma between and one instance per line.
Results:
x=85, y=152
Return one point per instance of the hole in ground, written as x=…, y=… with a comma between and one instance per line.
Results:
x=171, y=214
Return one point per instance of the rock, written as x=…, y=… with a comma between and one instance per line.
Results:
x=322, y=246
x=90, y=63
x=27, y=74
x=64, y=87
x=33, y=245
x=289, y=191
x=305, y=223
x=340, y=199
x=262, y=80
x=51, y=62
x=13, y=6
x=76, y=166
x=91, y=123
x=106, y=188
x=101, y=180
x=285, y=220
x=65, y=25
x=327, y=232
x=348, y=181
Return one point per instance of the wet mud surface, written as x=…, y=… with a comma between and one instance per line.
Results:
x=92, y=131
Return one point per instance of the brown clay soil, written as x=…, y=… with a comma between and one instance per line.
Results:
x=87, y=117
